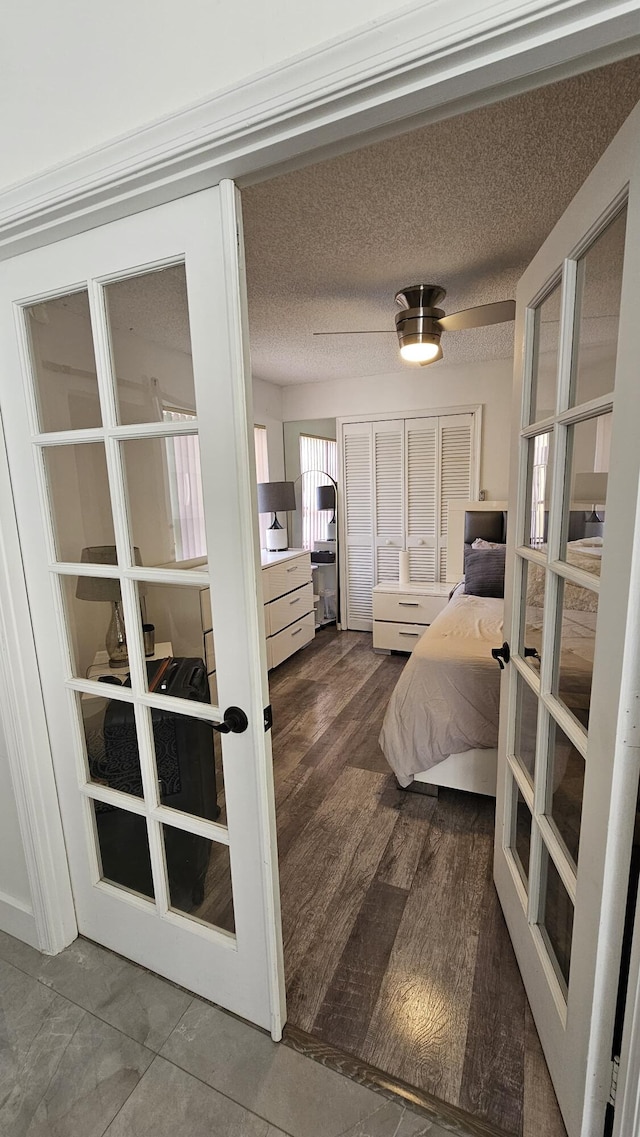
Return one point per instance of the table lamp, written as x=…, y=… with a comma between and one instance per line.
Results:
x=326, y=500
x=274, y=497
x=591, y=488
x=105, y=589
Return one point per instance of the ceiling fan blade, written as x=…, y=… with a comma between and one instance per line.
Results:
x=479, y=317
x=368, y=332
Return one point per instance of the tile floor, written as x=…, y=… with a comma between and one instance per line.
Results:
x=90, y=1044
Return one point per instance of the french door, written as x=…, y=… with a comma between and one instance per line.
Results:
x=127, y=409
x=568, y=774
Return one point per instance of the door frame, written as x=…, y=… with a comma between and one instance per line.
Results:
x=404, y=71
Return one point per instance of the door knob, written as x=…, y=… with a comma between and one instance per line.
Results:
x=500, y=654
x=235, y=722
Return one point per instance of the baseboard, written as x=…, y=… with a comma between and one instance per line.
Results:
x=449, y=1117
x=17, y=919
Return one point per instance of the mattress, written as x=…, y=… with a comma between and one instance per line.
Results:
x=447, y=699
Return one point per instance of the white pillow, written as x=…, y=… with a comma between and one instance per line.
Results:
x=588, y=542
x=480, y=543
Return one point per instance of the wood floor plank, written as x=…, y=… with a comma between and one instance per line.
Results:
x=427, y=991
x=323, y=896
x=346, y=836
x=345, y=1013
x=541, y=1115
x=402, y=854
x=492, y=1083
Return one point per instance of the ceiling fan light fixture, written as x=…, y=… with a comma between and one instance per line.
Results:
x=421, y=350
x=419, y=333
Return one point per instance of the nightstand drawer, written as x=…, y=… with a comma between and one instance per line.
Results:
x=282, y=645
x=281, y=578
x=396, y=637
x=407, y=606
x=279, y=613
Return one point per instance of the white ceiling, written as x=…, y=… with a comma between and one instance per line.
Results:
x=464, y=203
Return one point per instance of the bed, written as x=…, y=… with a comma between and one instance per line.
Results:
x=441, y=725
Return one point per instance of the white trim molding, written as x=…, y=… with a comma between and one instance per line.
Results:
x=427, y=62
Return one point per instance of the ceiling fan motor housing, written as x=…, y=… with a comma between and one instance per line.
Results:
x=417, y=321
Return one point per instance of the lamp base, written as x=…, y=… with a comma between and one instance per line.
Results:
x=277, y=540
x=331, y=530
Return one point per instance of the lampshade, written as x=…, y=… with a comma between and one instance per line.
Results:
x=274, y=497
x=326, y=497
x=590, y=487
x=102, y=588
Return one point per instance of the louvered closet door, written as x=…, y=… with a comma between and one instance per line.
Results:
x=357, y=465
x=422, y=489
x=389, y=482
x=456, y=473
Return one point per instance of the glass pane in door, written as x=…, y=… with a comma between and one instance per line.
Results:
x=556, y=918
x=539, y=463
x=526, y=727
x=546, y=340
x=598, y=313
x=588, y=444
x=166, y=508
x=151, y=345
x=566, y=789
x=520, y=836
x=80, y=501
x=111, y=743
x=199, y=876
x=123, y=848
x=64, y=364
x=189, y=765
x=578, y=615
x=533, y=584
x=96, y=628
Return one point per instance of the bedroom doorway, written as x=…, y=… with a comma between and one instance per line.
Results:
x=571, y=630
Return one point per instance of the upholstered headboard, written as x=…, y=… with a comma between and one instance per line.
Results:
x=469, y=520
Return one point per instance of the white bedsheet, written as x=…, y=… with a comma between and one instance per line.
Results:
x=447, y=699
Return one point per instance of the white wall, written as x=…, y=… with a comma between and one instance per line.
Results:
x=77, y=75
x=267, y=411
x=15, y=894
x=424, y=389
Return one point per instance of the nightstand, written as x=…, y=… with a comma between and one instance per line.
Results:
x=401, y=612
x=100, y=665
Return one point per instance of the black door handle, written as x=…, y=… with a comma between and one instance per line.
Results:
x=532, y=652
x=235, y=722
x=500, y=654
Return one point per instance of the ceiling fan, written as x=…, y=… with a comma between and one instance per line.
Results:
x=420, y=323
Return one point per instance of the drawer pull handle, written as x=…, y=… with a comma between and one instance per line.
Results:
x=408, y=604
x=297, y=632
x=296, y=600
x=294, y=568
x=408, y=633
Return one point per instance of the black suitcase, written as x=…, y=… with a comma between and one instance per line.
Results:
x=186, y=772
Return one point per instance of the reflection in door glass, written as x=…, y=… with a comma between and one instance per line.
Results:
x=124, y=848
x=66, y=383
x=585, y=502
x=520, y=841
x=111, y=743
x=151, y=345
x=199, y=875
x=165, y=498
x=96, y=628
x=540, y=459
x=79, y=496
x=533, y=582
x=556, y=919
x=546, y=338
x=596, y=335
x=526, y=727
x=566, y=785
x=578, y=615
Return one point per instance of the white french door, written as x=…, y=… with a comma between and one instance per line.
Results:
x=126, y=402
x=568, y=773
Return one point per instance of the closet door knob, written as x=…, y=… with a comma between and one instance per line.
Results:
x=387, y=542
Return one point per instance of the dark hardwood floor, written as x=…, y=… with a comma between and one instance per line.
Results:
x=396, y=950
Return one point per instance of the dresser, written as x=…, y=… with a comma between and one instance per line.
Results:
x=289, y=616
x=401, y=612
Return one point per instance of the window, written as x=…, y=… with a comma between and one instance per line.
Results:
x=262, y=475
x=318, y=457
x=185, y=490
x=541, y=457
x=183, y=461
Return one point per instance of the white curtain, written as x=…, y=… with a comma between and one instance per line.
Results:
x=317, y=456
x=185, y=490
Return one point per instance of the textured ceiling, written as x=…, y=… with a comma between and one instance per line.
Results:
x=464, y=203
